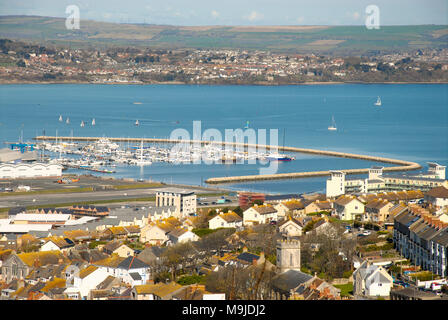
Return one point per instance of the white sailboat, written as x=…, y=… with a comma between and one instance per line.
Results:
x=67, y=121
x=137, y=123
x=142, y=161
x=378, y=102
x=332, y=127
x=60, y=118
x=93, y=122
x=82, y=124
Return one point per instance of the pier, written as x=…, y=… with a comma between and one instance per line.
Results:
x=401, y=165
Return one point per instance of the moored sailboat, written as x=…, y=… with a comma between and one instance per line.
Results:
x=332, y=127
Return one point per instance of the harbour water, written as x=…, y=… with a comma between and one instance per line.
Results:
x=411, y=124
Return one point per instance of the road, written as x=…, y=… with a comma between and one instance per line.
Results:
x=55, y=198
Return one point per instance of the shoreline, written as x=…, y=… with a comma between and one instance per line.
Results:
x=219, y=84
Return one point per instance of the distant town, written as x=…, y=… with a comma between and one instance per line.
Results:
x=30, y=63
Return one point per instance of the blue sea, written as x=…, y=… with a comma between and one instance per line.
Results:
x=411, y=124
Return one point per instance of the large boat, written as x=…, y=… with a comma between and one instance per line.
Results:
x=279, y=157
x=332, y=127
x=378, y=102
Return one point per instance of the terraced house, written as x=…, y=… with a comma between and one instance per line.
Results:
x=377, y=210
x=422, y=238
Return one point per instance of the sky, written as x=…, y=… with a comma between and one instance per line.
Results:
x=238, y=12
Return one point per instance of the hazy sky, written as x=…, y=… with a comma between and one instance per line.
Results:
x=238, y=12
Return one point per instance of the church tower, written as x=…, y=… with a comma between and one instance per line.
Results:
x=288, y=255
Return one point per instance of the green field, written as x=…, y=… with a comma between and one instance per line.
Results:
x=343, y=39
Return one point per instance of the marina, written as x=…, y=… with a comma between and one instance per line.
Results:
x=92, y=153
x=110, y=144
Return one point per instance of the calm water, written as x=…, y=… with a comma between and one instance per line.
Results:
x=412, y=123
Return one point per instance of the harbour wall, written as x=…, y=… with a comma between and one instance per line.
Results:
x=402, y=165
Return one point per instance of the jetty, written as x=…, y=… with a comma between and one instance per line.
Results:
x=401, y=165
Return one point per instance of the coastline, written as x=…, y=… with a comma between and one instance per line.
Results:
x=219, y=84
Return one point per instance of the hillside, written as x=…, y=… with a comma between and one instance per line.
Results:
x=322, y=39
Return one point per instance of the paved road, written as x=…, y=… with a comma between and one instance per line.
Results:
x=43, y=199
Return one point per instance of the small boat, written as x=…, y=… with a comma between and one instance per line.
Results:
x=247, y=125
x=93, y=122
x=137, y=102
x=67, y=121
x=279, y=157
x=332, y=127
x=60, y=118
x=137, y=123
x=82, y=124
x=378, y=102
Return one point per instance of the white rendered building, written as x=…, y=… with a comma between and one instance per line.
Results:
x=29, y=170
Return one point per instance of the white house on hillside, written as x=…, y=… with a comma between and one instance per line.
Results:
x=182, y=235
x=80, y=285
x=259, y=215
x=347, y=207
x=226, y=220
x=371, y=280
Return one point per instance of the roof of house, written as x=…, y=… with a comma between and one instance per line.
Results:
x=42, y=257
x=151, y=253
x=438, y=192
x=442, y=238
x=85, y=272
x=112, y=262
x=230, y=217
x=132, y=263
x=135, y=276
x=113, y=245
x=264, y=209
x=344, y=200
x=61, y=242
x=160, y=289
x=290, y=220
x=377, y=203
x=322, y=204
x=289, y=280
x=248, y=257
x=293, y=204
x=177, y=232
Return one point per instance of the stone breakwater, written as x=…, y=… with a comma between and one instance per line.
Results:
x=402, y=165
